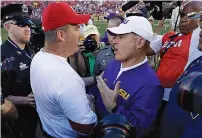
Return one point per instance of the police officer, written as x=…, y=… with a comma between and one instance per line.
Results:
x=106, y=54
x=16, y=56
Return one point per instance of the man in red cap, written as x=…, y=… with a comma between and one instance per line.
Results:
x=60, y=96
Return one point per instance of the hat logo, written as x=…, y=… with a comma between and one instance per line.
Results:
x=125, y=21
x=24, y=9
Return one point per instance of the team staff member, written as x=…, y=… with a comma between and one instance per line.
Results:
x=178, y=123
x=16, y=57
x=59, y=91
x=140, y=93
x=178, y=50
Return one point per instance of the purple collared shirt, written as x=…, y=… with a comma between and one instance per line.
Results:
x=139, y=97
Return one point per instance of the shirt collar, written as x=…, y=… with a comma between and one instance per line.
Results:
x=56, y=56
x=134, y=66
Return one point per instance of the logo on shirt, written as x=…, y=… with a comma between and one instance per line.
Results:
x=23, y=66
x=123, y=94
x=172, y=44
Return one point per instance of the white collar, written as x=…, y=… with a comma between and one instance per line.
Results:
x=134, y=66
x=53, y=55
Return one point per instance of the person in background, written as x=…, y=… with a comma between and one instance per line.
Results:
x=105, y=37
x=177, y=50
x=177, y=122
x=61, y=99
x=16, y=57
x=92, y=46
x=139, y=91
x=106, y=54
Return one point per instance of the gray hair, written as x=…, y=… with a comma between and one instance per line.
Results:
x=50, y=36
x=8, y=22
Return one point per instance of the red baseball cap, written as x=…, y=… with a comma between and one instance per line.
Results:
x=59, y=14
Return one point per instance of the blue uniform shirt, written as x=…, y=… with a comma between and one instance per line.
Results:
x=15, y=74
x=139, y=98
x=176, y=122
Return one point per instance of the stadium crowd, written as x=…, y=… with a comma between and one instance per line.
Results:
x=88, y=7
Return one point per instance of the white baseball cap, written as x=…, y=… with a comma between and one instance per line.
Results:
x=136, y=24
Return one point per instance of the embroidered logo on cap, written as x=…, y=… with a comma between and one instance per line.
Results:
x=24, y=9
x=125, y=21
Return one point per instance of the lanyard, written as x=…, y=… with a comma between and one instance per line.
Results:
x=17, y=48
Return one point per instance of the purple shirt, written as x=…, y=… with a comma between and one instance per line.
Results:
x=139, y=97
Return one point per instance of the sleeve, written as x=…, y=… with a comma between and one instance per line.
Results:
x=142, y=111
x=6, y=79
x=73, y=101
x=156, y=43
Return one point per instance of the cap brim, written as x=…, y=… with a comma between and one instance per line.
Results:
x=81, y=19
x=85, y=35
x=122, y=29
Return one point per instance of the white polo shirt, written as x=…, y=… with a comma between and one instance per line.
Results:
x=59, y=94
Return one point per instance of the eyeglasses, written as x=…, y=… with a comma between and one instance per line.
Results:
x=23, y=23
x=191, y=15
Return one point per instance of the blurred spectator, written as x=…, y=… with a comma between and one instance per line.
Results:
x=91, y=7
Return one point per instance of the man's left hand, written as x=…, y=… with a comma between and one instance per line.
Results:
x=108, y=96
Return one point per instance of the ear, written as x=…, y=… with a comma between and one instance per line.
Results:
x=139, y=42
x=7, y=27
x=61, y=35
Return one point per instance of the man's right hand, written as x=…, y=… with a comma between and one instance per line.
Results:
x=31, y=100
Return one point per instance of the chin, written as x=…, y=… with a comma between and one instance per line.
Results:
x=200, y=47
x=26, y=41
x=119, y=58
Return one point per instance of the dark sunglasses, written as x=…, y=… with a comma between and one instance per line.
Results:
x=24, y=23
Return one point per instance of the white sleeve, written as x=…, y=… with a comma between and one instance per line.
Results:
x=156, y=43
x=73, y=100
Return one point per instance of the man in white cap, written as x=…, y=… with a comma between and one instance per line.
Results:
x=137, y=92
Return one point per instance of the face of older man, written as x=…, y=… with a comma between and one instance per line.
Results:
x=126, y=46
x=186, y=24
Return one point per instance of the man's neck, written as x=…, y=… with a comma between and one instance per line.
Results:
x=20, y=45
x=133, y=61
x=55, y=50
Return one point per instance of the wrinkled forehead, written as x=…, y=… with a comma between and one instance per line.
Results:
x=193, y=6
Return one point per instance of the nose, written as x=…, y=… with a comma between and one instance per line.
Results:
x=27, y=27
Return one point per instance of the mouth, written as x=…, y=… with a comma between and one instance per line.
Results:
x=115, y=50
x=182, y=27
